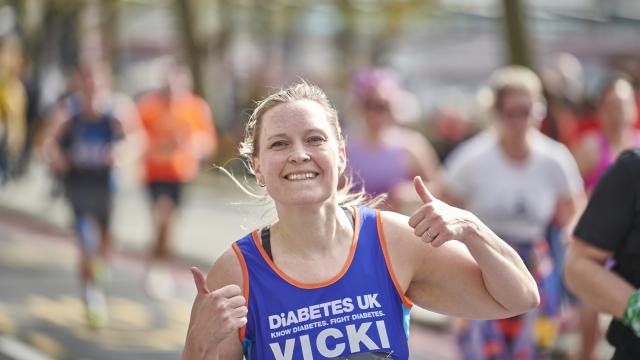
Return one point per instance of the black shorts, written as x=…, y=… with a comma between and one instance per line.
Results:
x=90, y=197
x=166, y=189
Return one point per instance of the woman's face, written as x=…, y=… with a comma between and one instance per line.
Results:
x=618, y=108
x=515, y=113
x=299, y=158
x=377, y=111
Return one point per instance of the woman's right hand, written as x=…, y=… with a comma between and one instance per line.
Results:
x=218, y=314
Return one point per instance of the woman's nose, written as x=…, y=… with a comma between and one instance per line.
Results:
x=299, y=154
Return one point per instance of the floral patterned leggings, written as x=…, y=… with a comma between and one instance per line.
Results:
x=529, y=336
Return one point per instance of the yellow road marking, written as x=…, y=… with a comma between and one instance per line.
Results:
x=7, y=325
x=131, y=324
x=46, y=344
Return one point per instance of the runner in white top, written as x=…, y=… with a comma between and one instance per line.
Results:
x=515, y=198
x=518, y=181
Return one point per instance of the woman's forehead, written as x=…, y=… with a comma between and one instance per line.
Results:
x=517, y=95
x=302, y=114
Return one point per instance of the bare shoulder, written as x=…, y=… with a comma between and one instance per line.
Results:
x=404, y=249
x=413, y=261
x=57, y=118
x=125, y=109
x=226, y=270
x=410, y=138
x=406, y=246
x=433, y=278
x=396, y=229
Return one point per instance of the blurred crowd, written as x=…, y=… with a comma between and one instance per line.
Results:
x=525, y=162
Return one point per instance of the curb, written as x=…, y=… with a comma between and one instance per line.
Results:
x=13, y=349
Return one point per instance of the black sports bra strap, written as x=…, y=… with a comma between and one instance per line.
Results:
x=265, y=233
x=265, y=236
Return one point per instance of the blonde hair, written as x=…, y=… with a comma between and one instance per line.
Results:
x=301, y=91
x=515, y=78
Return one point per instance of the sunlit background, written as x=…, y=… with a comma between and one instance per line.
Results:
x=240, y=50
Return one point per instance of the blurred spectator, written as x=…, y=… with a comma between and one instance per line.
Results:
x=452, y=127
x=180, y=132
x=609, y=228
x=563, y=88
x=517, y=181
x=13, y=106
x=33, y=115
x=78, y=143
x=383, y=156
x=617, y=115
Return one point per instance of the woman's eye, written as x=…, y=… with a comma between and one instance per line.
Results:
x=278, y=144
x=316, y=140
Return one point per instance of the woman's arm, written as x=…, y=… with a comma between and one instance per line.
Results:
x=587, y=277
x=217, y=315
x=50, y=135
x=479, y=277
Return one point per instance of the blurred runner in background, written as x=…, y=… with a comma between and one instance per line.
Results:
x=383, y=155
x=78, y=143
x=180, y=132
x=616, y=132
x=517, y=180
x=13, y=106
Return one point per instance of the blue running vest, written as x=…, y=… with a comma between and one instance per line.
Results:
x=359, y=311
x=88, y=142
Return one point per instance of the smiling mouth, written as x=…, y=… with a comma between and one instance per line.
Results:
x=302, y=176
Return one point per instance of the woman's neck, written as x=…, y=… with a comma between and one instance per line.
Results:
x=308, y=230
x=617, y=137
x=93, y=103
x=515, y=148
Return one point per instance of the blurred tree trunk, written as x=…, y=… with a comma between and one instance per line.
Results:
x=32, y=26
x=516, y=35
x=110, y=12
x=352, y=45
x=186, y=22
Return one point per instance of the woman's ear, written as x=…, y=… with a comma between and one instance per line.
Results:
x=257, y=171
x=342, y=160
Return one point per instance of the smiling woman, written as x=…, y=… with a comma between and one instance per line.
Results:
x=303, y=155
x=332, y=277
x=323, y=115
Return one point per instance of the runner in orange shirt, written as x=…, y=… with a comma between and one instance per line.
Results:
x=180, y=132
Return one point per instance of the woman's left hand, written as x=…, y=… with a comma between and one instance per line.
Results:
x=437, y=222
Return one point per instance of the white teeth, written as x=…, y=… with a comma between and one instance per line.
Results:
x=301, y=176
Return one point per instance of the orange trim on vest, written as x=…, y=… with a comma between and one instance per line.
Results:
x=245, y=286
x=405, y=300
x=287, y=278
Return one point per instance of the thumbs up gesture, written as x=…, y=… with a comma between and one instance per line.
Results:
x=436, y=222
x=216, y=314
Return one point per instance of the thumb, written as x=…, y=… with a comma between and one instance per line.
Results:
x=200, y=280
x=423, y=192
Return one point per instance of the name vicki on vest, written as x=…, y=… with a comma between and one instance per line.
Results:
x=341, y=311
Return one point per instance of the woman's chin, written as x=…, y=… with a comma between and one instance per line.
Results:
x=304, y=199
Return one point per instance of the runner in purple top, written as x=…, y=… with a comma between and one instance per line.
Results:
x=384, y=156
